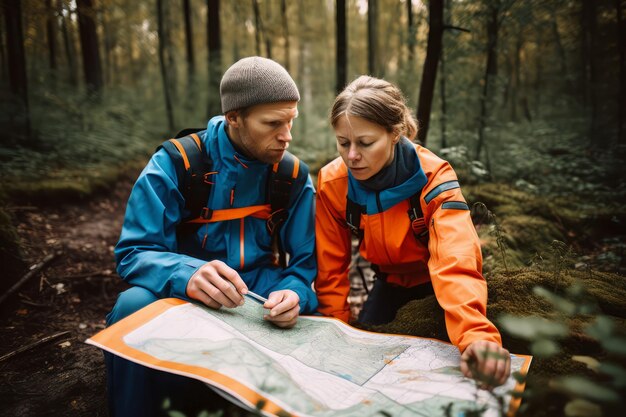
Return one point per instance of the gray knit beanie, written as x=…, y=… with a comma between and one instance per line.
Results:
x=256, y=80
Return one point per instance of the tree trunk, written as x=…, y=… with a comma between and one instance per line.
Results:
x=516, y=77
x=372, y=37
x=68, y=42
x=593, y=65
x=429, y=74
x=560, y=50
x=172, y=67
x=3, y=58
x=621, y=44
x=52, y=35
x=285, y=23
x=341, y=62
x=18, y=81
x=539, y=71
x=164, y=76
x=266, y=34
x=491, y=71
x=302, y=76
x=410, y=31
x=442, y=86
x=189, y=43
x=214, y=42
x=135, y=68
x=90, y=46
x=586, y=22
x=108, y=47
x=447, y=20
x=257, y=26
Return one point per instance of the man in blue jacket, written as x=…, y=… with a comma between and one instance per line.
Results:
x=217, y=264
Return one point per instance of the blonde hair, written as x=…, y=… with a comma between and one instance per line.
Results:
x=377, y=101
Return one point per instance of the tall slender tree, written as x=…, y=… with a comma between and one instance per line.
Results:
x=491, y=71
x=285, y=24
x=591, y=64
x=169, y=110
x=51, y=32
x=411, y=31
x=189, y=41
x=372, y=37
x=108, y=46
x=257, y=26
x=266, y=29
x=3, y=58
x=68, y=43
x=443, y=77
x=620, y=9
x=214, y=42
x=90, y=46
x=18, y=81
x=341, y=63
x=429, y=74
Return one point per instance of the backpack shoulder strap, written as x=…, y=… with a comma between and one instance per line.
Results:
x=416, y=217
x=353, y=217
x=415, y=213
x=285, y=181
x=290, y=172
x=193, y=165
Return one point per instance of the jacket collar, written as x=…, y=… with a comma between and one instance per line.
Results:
x=376, y=202
x=222, y=150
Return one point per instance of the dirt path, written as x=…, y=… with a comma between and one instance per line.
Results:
x=74, y=293
x=66, y=377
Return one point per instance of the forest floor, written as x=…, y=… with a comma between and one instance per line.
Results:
x=70, y=297
x=72, y=294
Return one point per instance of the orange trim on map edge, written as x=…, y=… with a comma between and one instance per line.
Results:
x=112, y=340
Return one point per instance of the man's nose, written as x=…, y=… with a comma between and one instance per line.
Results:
x=285, y=133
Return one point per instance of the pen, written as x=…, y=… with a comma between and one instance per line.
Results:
x=256, y=297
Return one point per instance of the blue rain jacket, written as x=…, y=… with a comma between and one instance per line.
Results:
x=148, y=254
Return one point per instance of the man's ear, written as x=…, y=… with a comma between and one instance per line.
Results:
x=233, y=118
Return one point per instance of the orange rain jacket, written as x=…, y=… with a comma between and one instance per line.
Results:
x=452, y=261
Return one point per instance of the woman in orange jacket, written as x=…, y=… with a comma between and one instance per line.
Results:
x=405, y=205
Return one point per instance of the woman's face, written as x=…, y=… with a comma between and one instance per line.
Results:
x=365, y=147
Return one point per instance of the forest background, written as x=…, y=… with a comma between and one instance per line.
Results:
x=526, y=99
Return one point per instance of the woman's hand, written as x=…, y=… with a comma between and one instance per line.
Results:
x=487, y=362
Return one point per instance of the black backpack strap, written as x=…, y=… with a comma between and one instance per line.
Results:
x=416, y=217
x=285, y=181
x=353, y=218
x=193, y=168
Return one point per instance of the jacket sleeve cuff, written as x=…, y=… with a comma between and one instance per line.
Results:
x=308, y=301
x=182, y=277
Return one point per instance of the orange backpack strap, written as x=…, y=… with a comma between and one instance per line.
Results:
x=261, y=212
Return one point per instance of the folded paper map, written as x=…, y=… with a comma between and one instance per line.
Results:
x=321, y=367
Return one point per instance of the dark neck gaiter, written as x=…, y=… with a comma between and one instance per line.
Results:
x=401, y=168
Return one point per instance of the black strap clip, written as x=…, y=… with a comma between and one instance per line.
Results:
x=206, y=213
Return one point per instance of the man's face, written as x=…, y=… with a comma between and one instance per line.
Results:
x=265, y=132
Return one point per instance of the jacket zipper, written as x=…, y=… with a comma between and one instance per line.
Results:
x=241, y=243
x=434, y=235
